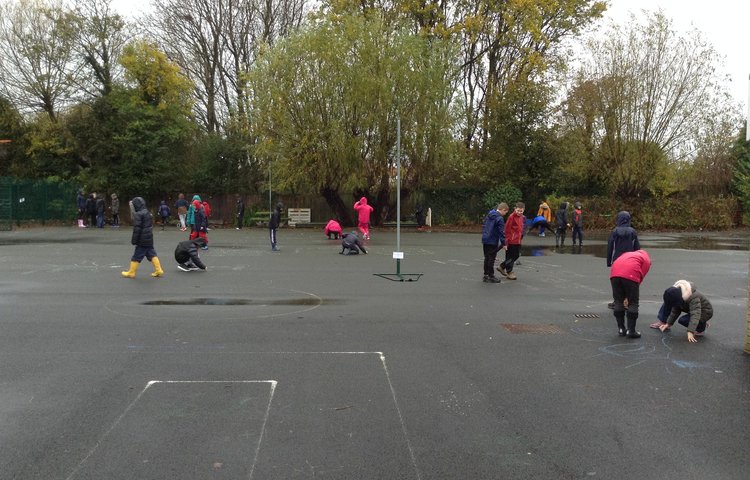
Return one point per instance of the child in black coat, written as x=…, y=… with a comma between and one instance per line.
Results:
x=186, y=255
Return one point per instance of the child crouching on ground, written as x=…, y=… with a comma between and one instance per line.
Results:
x=350, y=244
x=186, y=255
x=333, y=229
x=680, y=298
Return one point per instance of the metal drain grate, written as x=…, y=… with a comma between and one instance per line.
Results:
x=587, y=315
x=535, y=329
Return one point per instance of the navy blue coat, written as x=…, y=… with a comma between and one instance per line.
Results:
x=493, y=231
x=623, y=238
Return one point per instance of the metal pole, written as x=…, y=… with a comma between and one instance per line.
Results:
x=398, y=193
x=747, y=124
x=270, y=208
x=398, y=184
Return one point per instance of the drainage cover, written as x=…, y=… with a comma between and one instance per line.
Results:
x=587, y=315
x=535, y=329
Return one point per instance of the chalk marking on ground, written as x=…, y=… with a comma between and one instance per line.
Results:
x=153, y=382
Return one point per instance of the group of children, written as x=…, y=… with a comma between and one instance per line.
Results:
x=629, y=266
x=94, y=207
x=195, y=215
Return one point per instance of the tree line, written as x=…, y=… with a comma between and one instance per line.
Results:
x=223, y=96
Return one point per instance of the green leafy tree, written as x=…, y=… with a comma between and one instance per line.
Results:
x=741, y=178
x=135, y=138
x=326, y=103
x=640, y=103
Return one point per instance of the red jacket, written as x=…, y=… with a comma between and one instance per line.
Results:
x=632, y=266
x=514, y=228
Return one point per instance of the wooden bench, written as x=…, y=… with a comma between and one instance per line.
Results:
x=298, y=216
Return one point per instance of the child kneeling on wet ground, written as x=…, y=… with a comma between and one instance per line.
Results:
x=333, y=229
x=186, y=255
x=350, y=244
x=682, y=297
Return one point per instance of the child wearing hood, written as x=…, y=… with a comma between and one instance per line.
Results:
x=142, y=238
x=190, y=218
x=115, y=211
x=186, y=255
x=561, y=217
x=622, y=239
x=578, y=224
x=333, y=229
x=273, y=224
x=543, y=218
x=493, y=240
x=199, y=227
x=363, y=216
x=350, y=244
x=163, y=213
x=682, y=297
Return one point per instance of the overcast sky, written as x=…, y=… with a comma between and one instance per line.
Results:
x=723, y=22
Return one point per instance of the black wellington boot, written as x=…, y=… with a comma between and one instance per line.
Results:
x=632, y=333
x=621, y=325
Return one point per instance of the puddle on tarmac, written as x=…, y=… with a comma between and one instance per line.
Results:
x=599, y=249
x=305, y=301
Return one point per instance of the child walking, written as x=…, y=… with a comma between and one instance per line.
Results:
x=363, y=216
x=513, y=235
x=143, y=239
x=493, y=240
x=164, y=214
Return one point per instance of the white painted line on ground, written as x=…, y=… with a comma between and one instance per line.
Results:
x=272, y=383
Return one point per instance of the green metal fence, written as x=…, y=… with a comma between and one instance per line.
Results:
x=27, y=201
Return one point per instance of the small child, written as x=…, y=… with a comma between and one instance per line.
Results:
x=578, y=224
x=561, y=217
x=273, y=224
x=682, y=297
x=199, y=227
x=164, y=213
x=350, y=244
x=493, y=240
x=143, y=239
x=333, y=230
x=186, y=255
x=514, y=231
x=626, y=276
x=363, y=216
x=546, y=217
x=541, y=223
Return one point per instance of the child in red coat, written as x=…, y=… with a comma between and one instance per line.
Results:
x=514, y=226
x=626, y=276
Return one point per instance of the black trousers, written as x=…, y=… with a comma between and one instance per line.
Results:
x=511, y=255
x=490, y=254
x=622, y=289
